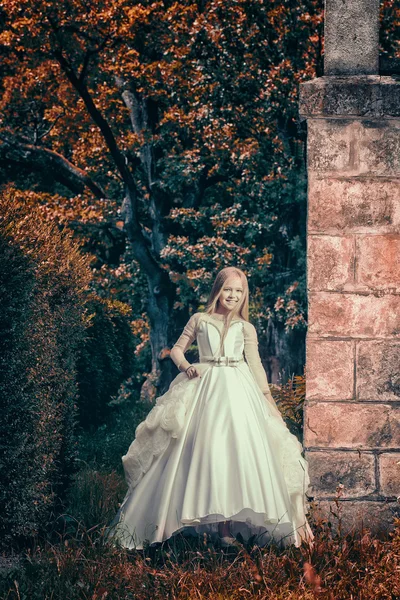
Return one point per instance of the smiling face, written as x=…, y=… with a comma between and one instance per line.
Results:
x=231, y=294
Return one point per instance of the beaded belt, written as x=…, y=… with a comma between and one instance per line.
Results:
x=223, y=361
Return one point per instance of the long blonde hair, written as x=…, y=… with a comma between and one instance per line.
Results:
x=240, y=310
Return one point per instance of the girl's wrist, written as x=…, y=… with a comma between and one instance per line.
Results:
x=187, y=368
x=185, y=364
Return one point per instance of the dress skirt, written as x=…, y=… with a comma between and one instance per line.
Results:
x=212, y=449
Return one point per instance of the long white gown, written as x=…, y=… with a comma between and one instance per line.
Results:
x=212, y=449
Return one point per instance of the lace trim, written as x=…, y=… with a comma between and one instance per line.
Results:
x=153, y=435
x=295, y=467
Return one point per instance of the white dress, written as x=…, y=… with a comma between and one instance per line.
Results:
x=213, y=448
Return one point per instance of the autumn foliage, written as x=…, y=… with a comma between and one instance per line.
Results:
x=178, y=120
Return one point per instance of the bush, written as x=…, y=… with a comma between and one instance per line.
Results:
x=43, y=278
x=106, y=358
x=290, y=398
x=93, y=498
x=103, y=448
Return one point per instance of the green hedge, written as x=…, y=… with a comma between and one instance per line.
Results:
x=105, y=360
x=43, y=278
x=64, y=353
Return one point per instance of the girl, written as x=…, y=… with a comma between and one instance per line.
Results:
x=214, y=454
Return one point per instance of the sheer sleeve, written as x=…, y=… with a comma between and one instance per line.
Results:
x=186, y=338
x=253, y=359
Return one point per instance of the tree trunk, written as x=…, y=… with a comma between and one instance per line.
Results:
x=160, y=309
x=283, y=353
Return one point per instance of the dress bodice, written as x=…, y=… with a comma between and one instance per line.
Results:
x=209, y=334
x=241, y=339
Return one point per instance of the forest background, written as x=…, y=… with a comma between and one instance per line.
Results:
x=143, y=147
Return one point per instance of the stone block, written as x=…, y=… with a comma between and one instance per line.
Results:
x=390, y=96
x=389, y=473
x=378, y=370
x=353, y=315
x=353, y=205
x=378, y=261
x=351, y=147
x=351, y=37
x=379, y=148
x=355, y=470
x=331, y=146
x=330, y=262
x=350, y=425
x=377, y=517
x=330, y=369
x=364, y=96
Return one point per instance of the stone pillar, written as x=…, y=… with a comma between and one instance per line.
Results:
x=352, y=407
x=351, y=37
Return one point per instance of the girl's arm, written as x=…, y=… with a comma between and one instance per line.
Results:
x=186, y=338
x=253, y=359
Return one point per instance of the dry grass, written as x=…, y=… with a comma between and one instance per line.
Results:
x=75, y=561
x=83, y=565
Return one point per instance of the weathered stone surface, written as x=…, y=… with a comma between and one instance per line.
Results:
x=355, y=470
x=360, y=205
x=331, y=146
x=352, y=413
x=351, y=148
x=389, y=473
x=351, y=37
x=353, y=315
x=378, y=261
x=379, y=148
x=351, y=425
x=330, y=262
x=370, y=96
x=378, y=517
x=330, y=369
x=390, y=95
x=378, y=370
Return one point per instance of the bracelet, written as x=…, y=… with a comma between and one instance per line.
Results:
x=188, y=368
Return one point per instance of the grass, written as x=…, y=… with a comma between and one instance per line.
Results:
x=76, y=562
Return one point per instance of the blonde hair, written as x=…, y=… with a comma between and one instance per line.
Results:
x=241, y=309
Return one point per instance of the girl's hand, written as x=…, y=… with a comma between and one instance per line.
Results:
x=192, y=372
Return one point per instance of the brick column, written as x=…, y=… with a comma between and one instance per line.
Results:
x=352, y=408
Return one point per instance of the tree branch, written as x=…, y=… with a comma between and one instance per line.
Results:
x=139, y=121
x=142, y=252
x=43, y=159
x=138, y=112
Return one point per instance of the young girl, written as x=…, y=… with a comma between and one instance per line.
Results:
x=214, y=454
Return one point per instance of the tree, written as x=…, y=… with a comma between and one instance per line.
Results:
x=160, y=113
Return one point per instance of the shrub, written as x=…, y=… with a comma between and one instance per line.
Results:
x=106, y=358
x=290, y=401
x=43, y=278
x=103, y=448
x=94, y=496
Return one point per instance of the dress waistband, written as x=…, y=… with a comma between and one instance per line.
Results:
x=223, y=361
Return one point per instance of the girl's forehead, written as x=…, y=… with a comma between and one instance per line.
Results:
x=233, y=282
